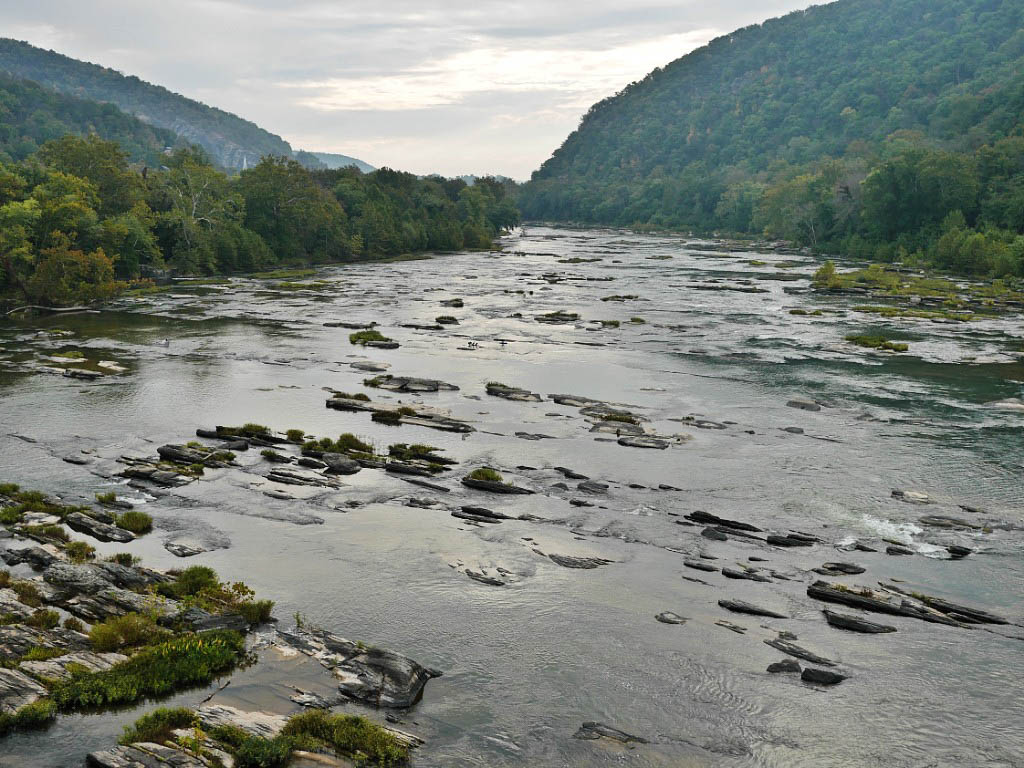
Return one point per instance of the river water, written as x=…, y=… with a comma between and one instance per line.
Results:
x=526, y=663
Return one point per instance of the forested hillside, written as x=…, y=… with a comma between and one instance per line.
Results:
x=229, y=140
x=77, y=222
x=31, y=115
x=883, y=128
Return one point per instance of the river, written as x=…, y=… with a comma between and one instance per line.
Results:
x=526, y=663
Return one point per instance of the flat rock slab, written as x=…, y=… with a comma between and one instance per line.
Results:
x=855, y=623
x=18, y=690
x=371, y=675
x=493, y=487
x=184, y=549
x=513, y=393
x=144, y=755
x=638, y=441
x=706, y=518
x=263, y=724
x=57, y=668
x=737, y=573
x=700, y=565
x=410, y=384
x=788, y=646
x=738, y=606
x=18, y=639
x=583, y=563
x=803, y=405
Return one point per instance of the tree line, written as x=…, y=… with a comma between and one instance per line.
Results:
x=78, y=222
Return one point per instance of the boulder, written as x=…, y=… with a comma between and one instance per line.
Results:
x=821, y=676
x=181, y=454
x=372, y=675
x=36, y=557
x=714, y=534
x=786, y=665
x=836, y=569
x=184, y=549
x=82, y=523
x=340, y=464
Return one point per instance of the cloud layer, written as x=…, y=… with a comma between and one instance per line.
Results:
x=429, y=86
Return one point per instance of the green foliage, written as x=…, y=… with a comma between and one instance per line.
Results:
x=361, y=337
x=80, y=551
x=34, y=715
x=73, y=624
x=135, y=521
x=877, y=342
x=123, y=558
x=349, y=735
x=43, y=619
x=27, y=593
x=156, y=727
x=180, y=662
x=346, y=443
x=387, y=418
x=106, y=498
x=129, y=631
x=886, y=130
x=361, y=396
x=486, y=474
x=198, y=585
x=295, y=435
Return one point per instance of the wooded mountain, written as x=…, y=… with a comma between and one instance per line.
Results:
x=230, y=141
x=817, y=100
x=31, y=115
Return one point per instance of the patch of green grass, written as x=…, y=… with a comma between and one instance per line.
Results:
x=199, y=585
x=295, y=435
x=43, y=619
x=622, y=418
x=178, y=663
x=346, y=443
x=387, y=418
x=637, y=320
x=126, y=559
x=283, y=274
x=80, y=551
x=27, y=593
x=50, y=532
x=70, y=355
x=35, y=715
x=134, y=520
x=246, y=430
x=361, y=337
x=156, y=727
x=877, y=342
x=132, y=630
x=610, y=323
x=349, y=735
x=73, y=624
x=621, y=297
x=106, y=498
x=486, y=474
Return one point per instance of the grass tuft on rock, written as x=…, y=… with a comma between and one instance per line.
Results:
x=135, y=521
x=361, y=337
x=486, y=474
x=178, y=663
x=877, y=342
x=156, y=727
x=35, y=715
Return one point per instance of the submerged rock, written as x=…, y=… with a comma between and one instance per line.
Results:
x=591, y=731
x=494, y=487
x=372, y=675
x=804, y=405
x=836, y=569
x=584, y=563
x=668, y=617
x=706, y=518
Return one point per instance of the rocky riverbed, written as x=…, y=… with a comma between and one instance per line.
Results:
x=622, y=498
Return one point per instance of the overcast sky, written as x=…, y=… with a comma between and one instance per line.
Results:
x=460, y=86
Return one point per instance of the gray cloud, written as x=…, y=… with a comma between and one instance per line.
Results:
x=426, y=86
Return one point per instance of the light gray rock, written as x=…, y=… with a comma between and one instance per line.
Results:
x=82, y=523
x=18, y=690
x=57, y=668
